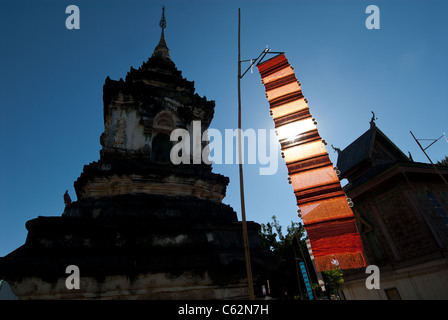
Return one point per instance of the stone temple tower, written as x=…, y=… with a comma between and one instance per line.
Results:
x=142, y=227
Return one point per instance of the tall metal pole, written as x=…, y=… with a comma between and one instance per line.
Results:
x=435, y=168
x=243, y=209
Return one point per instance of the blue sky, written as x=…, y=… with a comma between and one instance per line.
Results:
x=51, y=84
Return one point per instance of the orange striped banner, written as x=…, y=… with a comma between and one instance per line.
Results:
x=326, y=215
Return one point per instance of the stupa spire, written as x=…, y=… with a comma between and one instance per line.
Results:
x=162, y=49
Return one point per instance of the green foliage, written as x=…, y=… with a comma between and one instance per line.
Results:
x=443, y=162
x=334, y=278
x=334, y=281
x=272, y=236
x=287, y=281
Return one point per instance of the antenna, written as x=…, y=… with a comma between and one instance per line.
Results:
x=434, y=141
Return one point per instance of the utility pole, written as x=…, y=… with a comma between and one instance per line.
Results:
x=243, y=209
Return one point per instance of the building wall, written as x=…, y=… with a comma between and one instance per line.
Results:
x=154, y=286
x=403, y=224
x=423, y=281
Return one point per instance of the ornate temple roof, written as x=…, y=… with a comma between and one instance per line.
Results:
x=372, y=148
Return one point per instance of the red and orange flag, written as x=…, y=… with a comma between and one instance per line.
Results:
x=327, y=217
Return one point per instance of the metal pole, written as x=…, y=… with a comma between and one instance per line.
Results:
x=435, y=140
x=435, y=168
x=243, y=209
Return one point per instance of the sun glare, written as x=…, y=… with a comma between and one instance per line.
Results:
x=291, y=130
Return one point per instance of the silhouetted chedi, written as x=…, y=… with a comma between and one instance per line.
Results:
x=141, y=227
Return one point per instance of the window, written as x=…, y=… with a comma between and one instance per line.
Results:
x=161, y=147
x=392, y=294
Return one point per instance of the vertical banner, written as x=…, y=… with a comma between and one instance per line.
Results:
x=326, y=215
x=320, y=278
x=306, y=280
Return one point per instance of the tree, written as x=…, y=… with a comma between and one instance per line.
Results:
x=443, y=162
x=333, y=280
x=286, y=282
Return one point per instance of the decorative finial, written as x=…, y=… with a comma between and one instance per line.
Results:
x=162, y=49
x=336, y=149
x=372, y=121
x=162, y=23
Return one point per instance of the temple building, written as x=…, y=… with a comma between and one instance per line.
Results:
x=141, y=227
x=401, y=209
